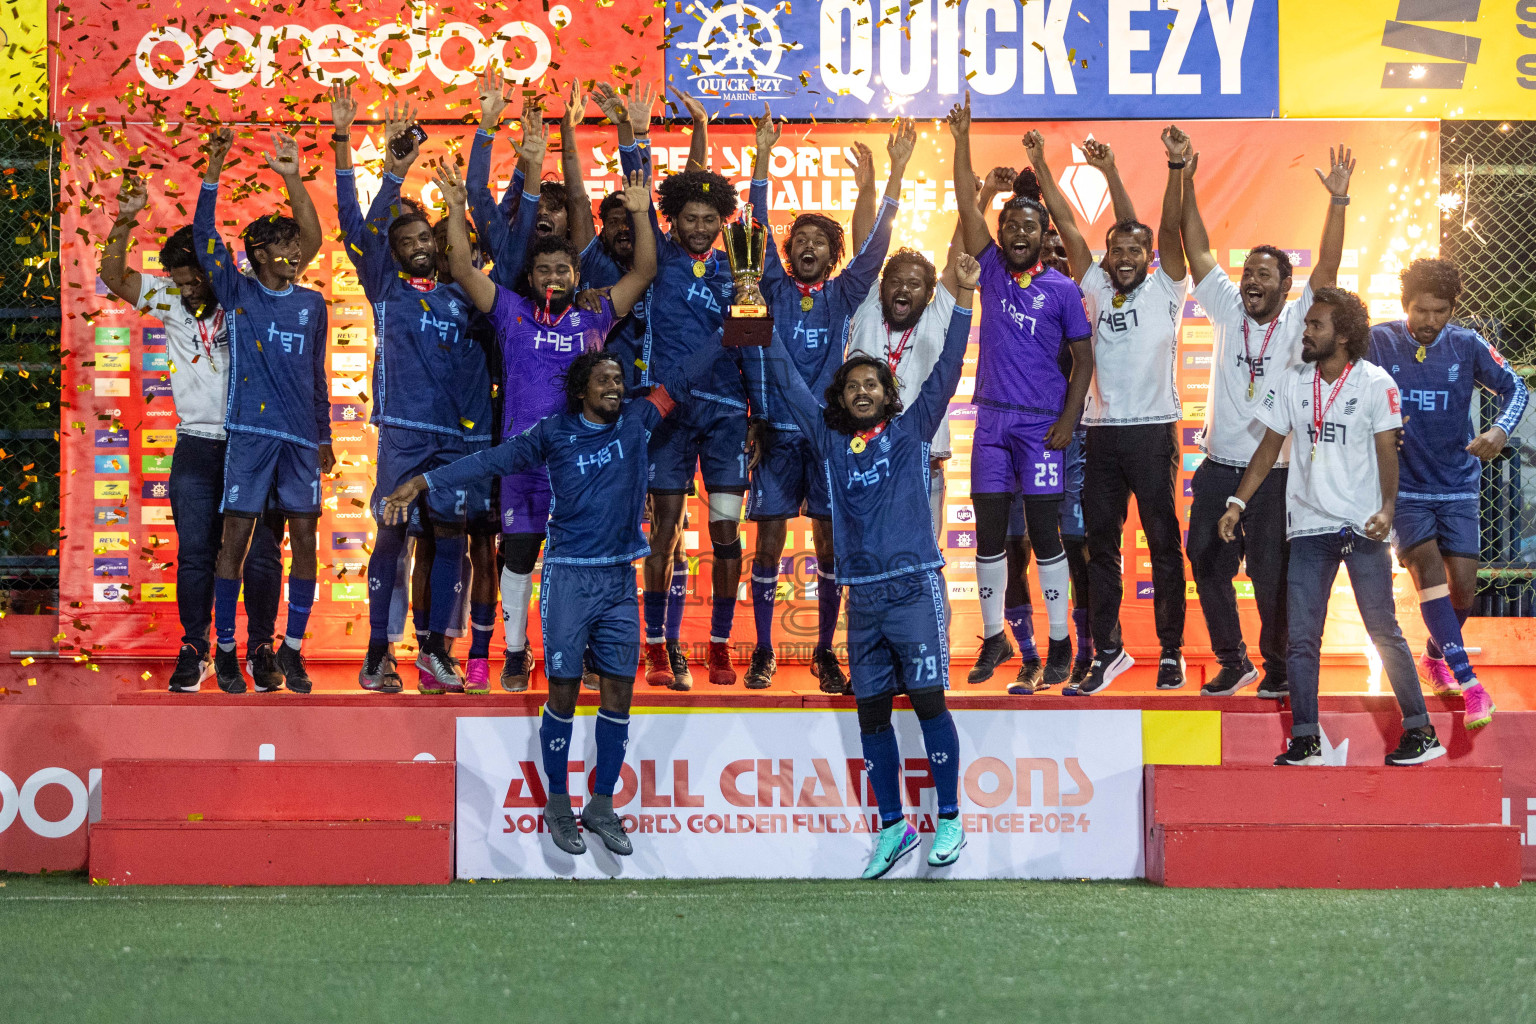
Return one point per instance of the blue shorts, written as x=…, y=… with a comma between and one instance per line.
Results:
x=788, y=481
x=480, y=504
x=706, y=434
x=268, y=474
x=405, y=453
x=1009, y=456
x=589, y=608
x=1455, y=524
x=896, y=637
x=525, y=501
x=1071, y=496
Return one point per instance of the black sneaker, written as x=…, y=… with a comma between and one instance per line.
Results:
x=826, y=668
x=226, y=666
x=562, y=825
x=187, y=676
x=995, y=650
x=1101, y=672
x=760, y=672
x=1080, y=669
x=1274, y=689
x=516, y=670
x=1230, y=679
x=1170, y=669
x=291, y=662
x=682, y=675
x=261, y=663
x=1058, y=663
x=1303, y=750
x=1031, y=677
x=607, y=827
x=1416, y=747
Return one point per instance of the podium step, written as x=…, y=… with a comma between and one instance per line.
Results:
x=182, y=790
x=1333, y=856
x=272, y=852
x=1248, y=794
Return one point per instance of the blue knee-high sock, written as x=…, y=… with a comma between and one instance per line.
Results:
x=447, y=579
x=722, y=613
x=765, y=589
x=1433, y=649
x=301, y=597
x=942, y=742
x=1084, y=634
x=1440, y=617
x=677, y=594
x=226, y=598
x=829, y=602
x=612, y=739
x=555, y=748
x=1021, y=622
x=482, y=623
x=882, y=759
x=383, y=570
x=655, y=614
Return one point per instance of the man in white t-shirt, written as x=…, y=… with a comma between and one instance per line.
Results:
x=1257, y=338
x=197, y=356
x=1340, y=496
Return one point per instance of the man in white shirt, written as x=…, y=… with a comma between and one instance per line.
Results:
x=1257, y=338
x=1340, y=497
x=197, y=354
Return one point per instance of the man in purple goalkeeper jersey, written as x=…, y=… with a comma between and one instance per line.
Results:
x=1027, y=407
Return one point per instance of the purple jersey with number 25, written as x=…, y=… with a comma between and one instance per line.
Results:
x=1022, y=333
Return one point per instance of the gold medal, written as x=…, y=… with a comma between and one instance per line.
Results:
x=1250, y=391
x=1313, y=454
x=1119, y=300
x=1025, y=280
x=806, y=302
x=856, y=445
x=1420, y=354
x=698, y=268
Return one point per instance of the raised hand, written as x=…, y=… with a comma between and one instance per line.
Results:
x=1098, y=155
x=960, y=118
x=131, y=197
x=343, y=106
x=637, y=194
x=284, y=158
x=638, y=106
x=494, y=94
x=901, y=143
x=530, y=149
x=967, y=270
x=446, y=177
x=1177, y=144
x=694, y=108
x=768, y=131
x=1190, y=163
x=575, y=110
x=1000, y=180
x=863, y=166
x=220, y=142
x=1034, y=148
x=1341, y=166
x=609, y=102
x=398, y=120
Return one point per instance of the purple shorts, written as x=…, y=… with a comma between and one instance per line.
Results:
x=1009, y=455
x=525, y=501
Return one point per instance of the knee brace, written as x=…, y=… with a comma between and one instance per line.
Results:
x=725, y=507
x=874, y=714
x=928, y=704
x=727, y=551
x=520, y=551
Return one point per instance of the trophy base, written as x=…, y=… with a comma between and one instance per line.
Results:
x=748, y=328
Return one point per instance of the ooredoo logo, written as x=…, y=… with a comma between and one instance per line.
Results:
x=22, y=802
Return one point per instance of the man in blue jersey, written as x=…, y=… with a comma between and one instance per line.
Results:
x=1027, y=409
x=595, y=452
x=875, y=457
x=421, y=327
x=1437, y=366
x=539, y=340
x=278, y=415
x=811, y=309
x=684, y=310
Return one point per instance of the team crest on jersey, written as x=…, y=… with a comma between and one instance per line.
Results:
x=1037, y=300
x=1349, y=406
x=304, y=317
x=1453, y=372
x=885, y=442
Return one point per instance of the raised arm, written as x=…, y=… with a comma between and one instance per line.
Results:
x=508, y=246
x=932, y=402
x=1341, y=164
x=698, y=146
x=212, y=255
x=863, y=165
x=1170, y=241
x=1197, y=244
x=120, y=279
x=973, y=226
x=780, y=374
x=480, y=288
x=1100, y=156
x=366, y=240
x=1079, y=256
x=629, y=288
x=869, y=256
x=765, y=137
x=284, y=159
x=578, y=205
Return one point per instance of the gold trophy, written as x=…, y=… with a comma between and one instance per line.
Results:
x=747, y=320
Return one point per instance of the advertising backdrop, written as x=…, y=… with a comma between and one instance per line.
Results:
x=117, y=431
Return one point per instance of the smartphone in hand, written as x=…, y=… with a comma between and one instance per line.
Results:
x=401, y=144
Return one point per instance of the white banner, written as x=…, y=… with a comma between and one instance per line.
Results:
x=769, y=794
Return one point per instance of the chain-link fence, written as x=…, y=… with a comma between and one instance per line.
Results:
x=1488, y=224
x=29, y=367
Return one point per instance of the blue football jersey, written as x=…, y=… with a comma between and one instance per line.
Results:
x=816, y=337
x=1437, y=405
x=879, y=486
x=504, y=237
x=277, y=378
x=685, y=307
x=600, y=270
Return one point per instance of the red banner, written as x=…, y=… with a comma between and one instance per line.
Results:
x=270, y=63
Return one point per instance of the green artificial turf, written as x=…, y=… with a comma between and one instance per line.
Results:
x=832, y=953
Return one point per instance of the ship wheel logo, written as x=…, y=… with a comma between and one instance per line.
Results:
x=737, y=39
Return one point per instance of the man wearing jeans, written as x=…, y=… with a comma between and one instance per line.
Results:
x=1340, y=496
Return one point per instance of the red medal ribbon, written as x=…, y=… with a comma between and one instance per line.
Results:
x=893, y=358
x=1268, y=333
x=207, y=333
x=808, y=289
x=1033, y=272
x=869, y=435
x=422, y=284
x=1319, y=410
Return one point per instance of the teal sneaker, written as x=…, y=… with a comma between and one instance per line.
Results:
x=896, y=841
x=948, y=841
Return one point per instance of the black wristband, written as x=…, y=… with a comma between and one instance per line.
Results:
x=1175, y=166
x=341, y=136
x=1340, y=200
